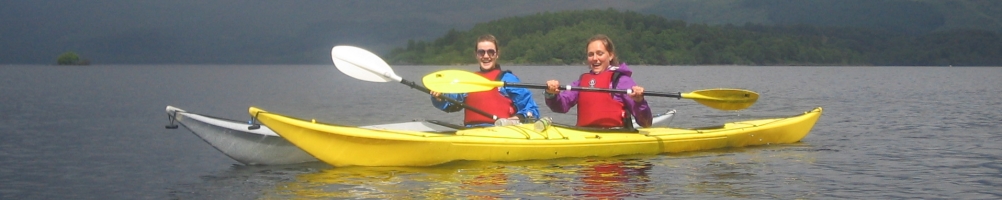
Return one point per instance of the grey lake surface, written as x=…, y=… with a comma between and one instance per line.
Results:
x=97, y=132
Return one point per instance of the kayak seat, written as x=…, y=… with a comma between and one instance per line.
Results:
x=595, y=129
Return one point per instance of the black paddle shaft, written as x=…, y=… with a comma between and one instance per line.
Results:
x=677, y=95
x=450, y=100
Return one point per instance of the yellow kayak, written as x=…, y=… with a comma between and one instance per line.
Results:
x=424, y=146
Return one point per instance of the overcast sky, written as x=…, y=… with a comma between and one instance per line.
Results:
x=229, y=31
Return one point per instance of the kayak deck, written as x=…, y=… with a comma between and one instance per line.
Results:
x=344, y=145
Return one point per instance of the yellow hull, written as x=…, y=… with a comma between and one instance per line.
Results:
x=347, y=146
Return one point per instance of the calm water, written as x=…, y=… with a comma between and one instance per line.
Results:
x=96, y=132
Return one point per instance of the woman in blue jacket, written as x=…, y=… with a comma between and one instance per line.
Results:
x=507, y=103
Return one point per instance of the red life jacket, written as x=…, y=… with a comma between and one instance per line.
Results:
x=490, y=101
x=599, y=109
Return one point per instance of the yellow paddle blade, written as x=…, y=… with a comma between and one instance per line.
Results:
x=723, y=99
x=457, y=81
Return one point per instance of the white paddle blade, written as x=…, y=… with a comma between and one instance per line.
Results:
x=361, y=64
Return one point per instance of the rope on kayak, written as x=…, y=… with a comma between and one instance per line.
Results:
x=253, y=122
x=170, y=117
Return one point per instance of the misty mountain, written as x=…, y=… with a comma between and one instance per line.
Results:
x=302, y=32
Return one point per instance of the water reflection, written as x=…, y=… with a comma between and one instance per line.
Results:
x=471, y=179
x=488, y=182
x=590, y=178
x=731, y=173
x=614, y=179
x=242, y=182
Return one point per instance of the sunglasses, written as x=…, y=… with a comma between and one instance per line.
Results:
x=489, y=52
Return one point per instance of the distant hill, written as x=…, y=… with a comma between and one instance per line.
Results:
x=559, y=38
x=905, y=16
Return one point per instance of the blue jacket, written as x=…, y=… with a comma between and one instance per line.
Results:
x=521, y=97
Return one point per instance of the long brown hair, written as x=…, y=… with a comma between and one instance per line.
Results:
x=609, y=46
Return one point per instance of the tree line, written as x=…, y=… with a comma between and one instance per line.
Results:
x=559, y=39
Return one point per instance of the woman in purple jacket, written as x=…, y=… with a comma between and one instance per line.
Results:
x=602, y=109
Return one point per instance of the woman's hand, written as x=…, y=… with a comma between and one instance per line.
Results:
x=553, y=86
x=638, y=93
x=437, y=95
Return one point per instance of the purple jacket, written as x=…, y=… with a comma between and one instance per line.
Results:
x=563, y=101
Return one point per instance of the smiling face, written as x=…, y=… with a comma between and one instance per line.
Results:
x=599, y=56
x=487, y=53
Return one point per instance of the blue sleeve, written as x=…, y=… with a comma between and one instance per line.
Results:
x=521, y=97
x=445, y=105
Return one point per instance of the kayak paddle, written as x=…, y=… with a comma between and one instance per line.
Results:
x=364, y=65
x=456, y=81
